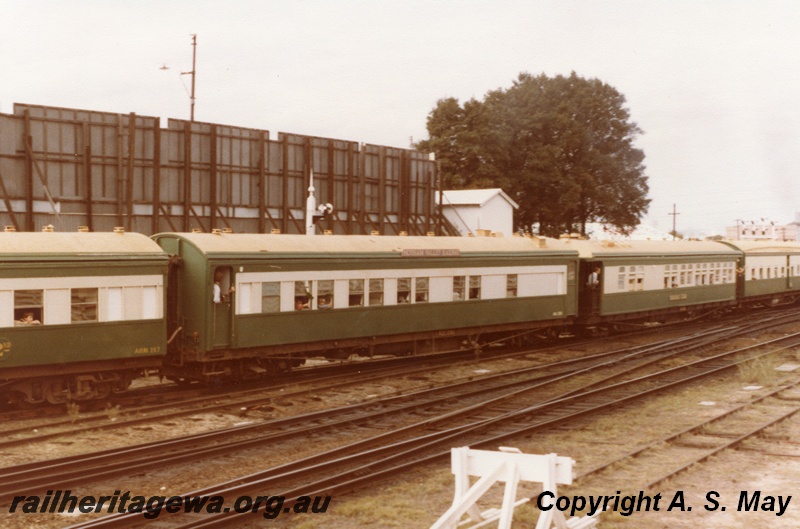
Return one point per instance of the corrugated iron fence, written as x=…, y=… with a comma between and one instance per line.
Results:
x=72, y=168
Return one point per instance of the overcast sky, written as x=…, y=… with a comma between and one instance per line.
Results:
x=715, y=85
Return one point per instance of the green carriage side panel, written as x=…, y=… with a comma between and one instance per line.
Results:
x=53, y=263
x=768, y=267
x=631, y=302
x=243, y=255
x=636, y=276
x=62, y=344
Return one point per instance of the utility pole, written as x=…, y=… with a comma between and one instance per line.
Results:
x=193, y=72
x=674, y=218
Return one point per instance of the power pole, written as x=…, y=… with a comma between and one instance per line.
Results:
x=193, y=72
x=674, y=218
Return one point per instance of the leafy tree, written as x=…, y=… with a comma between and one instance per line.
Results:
x=561, y=147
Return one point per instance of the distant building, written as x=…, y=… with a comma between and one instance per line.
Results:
x=763, y=230
x=470, y=210
x=598, y=231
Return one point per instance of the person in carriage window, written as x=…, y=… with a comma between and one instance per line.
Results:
x=27, y=319
x=219, y=297
x=594, y=279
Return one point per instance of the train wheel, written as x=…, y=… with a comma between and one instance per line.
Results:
x=15, y=400
x=56, y=392
x=103, y=389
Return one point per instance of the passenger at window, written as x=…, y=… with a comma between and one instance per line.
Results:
x=325, y=302
x=218, y=296
x=594, y=278
x=300, y=303
x=217, y=287
x=27, y=319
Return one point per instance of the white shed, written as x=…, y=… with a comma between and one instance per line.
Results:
x=470, y=210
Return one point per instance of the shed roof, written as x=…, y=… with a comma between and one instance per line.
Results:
x=226, y=243
x=76, y=243
x=474, y=197
x=590, y=249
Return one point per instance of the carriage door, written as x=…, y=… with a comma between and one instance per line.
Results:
x=590, y=287
x=222, y=306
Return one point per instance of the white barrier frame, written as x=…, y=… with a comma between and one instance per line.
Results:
x=508, y=465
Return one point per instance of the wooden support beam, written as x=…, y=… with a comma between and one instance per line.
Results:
x=187, y=174
x=262, y=182
x=7, y=202
x=28, y=140
x=285, y=198
x=352, y=166
x=382, y=190
x=212, y=176
x=87, y=174
x=129, y=173
x=165, y=213
x=156, y=220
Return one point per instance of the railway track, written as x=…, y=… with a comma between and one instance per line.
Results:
x=712, y=436
x=506, y=384
x=313, y=381
x=483, y=424
x=153, y=397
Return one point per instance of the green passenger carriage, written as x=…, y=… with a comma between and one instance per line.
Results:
x=769, y=271
x=283, y=298
x=655, y=280
x=81, y=314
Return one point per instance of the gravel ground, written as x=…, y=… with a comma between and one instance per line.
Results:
x=417, y=499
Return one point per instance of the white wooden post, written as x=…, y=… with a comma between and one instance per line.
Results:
x=508, y=465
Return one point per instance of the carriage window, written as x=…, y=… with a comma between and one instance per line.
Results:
x=632, y=279
x=356, y=293
x=325, y=294
x=270, y=296
x=668, y=280
x=621, y=278
x=302, y=295
x=375, y=292
x=404, y=290
x=84, y=304
x=459, y=288
x=421, y=294
x=28, y=307
x=511, y=285
x=474, y=287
